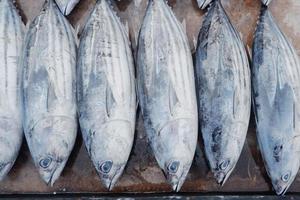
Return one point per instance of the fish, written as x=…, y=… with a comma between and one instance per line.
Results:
x=202, y=4
x=12, y=31
x=224, y=91
x=106, y=93
x=66, y=6
x=166, y=91
x=276, y=83
x=49, y=91
x=266, y=2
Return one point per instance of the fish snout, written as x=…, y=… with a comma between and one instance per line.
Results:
x=109, y=173
x=4, y=169
x=176, y=174
x=50, y=169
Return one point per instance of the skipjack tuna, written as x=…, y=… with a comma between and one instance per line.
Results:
x=106, y=93
x=276, y=87
x=66, y=6
x=11, y=131
x=167, y=91
x=224, y=91
x=49, y=91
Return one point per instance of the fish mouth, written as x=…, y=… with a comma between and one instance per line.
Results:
x=222, y=177
x=280, y=191
x=4, y=169
x=177, y=182
x=110, y=182
x=54, y=175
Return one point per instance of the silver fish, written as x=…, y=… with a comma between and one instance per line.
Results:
x=66, y=6
x=224, y=91
x=106, y=93
x=49, y=91
x=266, y=2
x=203, y=3
x=11, y=131
x=167, y=91
x=276, y=90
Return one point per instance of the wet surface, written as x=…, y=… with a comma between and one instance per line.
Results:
x=142, y=173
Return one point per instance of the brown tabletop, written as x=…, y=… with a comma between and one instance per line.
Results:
x=142, y=173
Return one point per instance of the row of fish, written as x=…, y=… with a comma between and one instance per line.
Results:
x=42, y=91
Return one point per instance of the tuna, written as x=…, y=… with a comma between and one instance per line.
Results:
x=106, y=93
x=167, y=93
x=49, y=91
x=266, y=2
x=224, y=91
x=203, y=3
x=66, y=6
x=276, y=87
x=11, y=131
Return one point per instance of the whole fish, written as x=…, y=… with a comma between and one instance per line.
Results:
x=276, y=90
x=49, y=91
x=11, y=131
x=106, y=93
x=203, y=3
x=266, y=2
x=66, y=6
x=167, y=91
x=224, y=91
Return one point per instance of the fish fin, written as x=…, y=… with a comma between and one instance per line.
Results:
x=51, y=96
x=137, y=3
x=173, y=99
x=195, y=42
x=184, y=26
x=110, y=101
x=241, y=35
x=249, y=52
x=283, y=108
x=126, y=26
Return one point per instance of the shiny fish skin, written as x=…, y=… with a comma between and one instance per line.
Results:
x=266, y=2
x=203, y=3
x=106, y=93
x=276, y=87
x=49, y=91
x=224, y=91
x=167, y=94
x=11, y=131
x=66, y=6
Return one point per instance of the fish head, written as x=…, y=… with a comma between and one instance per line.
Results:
x=223, y=154
x=203, y=3
x=282, y=166
x=110, y=149
x=10, y=142
x=51, y=142
x=174, y=149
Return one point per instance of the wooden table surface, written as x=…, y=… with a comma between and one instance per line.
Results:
x=142, y=173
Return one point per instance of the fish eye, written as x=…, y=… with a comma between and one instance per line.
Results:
x=173, y=167
x=224, y=164
x=44, y=163
x=105, y=167
x=286, y=177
